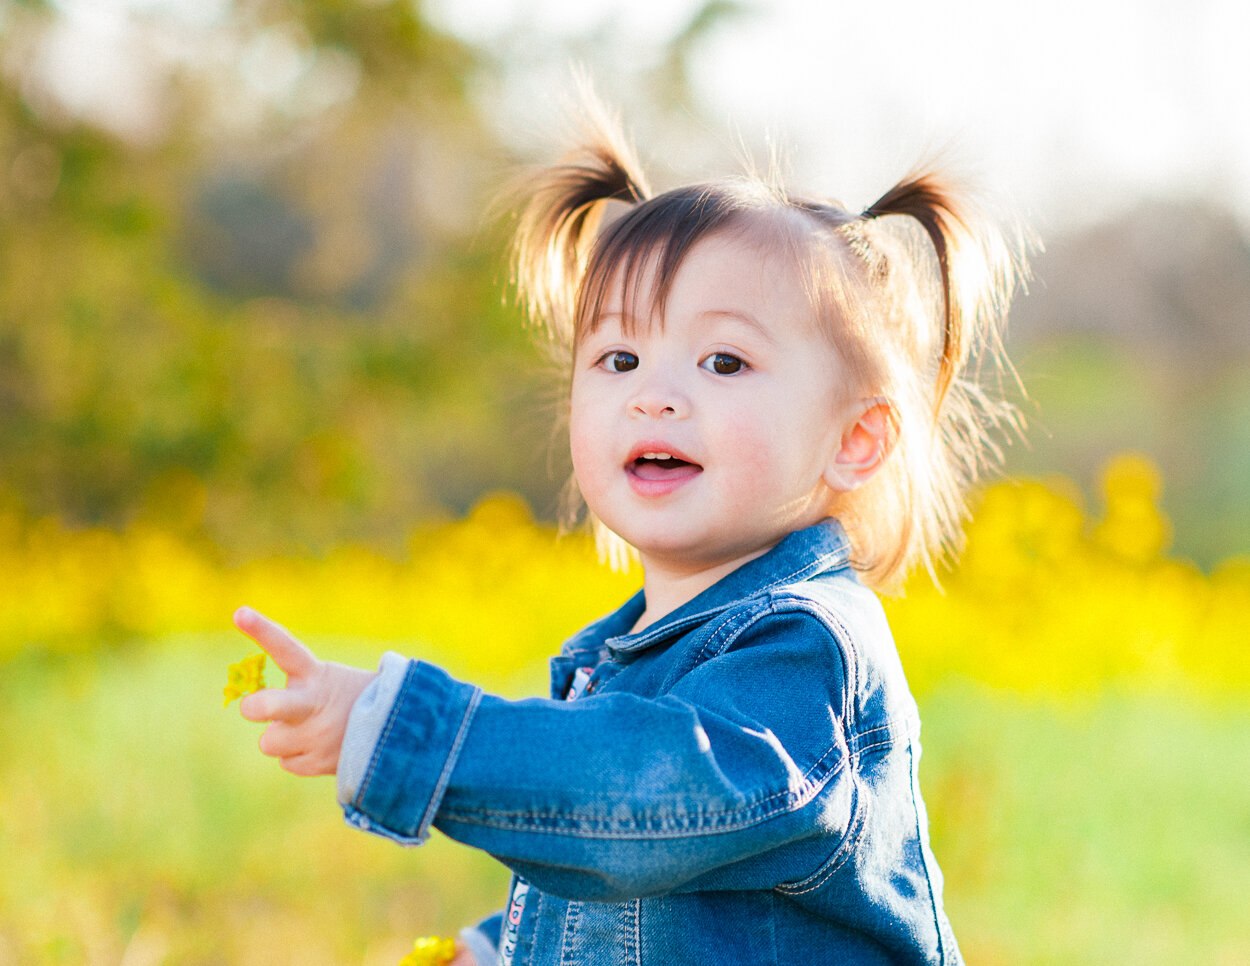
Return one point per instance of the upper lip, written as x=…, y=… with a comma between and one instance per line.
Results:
x=655, y=449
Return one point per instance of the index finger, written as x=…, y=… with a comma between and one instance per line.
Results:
x=291, y=656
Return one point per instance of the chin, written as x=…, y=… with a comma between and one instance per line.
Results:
x=666, y=546
x=697, y=554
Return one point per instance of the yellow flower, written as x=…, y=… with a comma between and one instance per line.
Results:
x=1133, y=527
x=245, y=677
x=430, y=951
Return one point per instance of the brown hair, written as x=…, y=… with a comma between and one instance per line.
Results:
x=914, y=304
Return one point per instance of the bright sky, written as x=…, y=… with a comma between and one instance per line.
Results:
x=1068, y=107
x=1062, y=105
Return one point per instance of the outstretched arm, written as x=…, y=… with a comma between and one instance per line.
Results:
x=625, y=794
x=308, y=717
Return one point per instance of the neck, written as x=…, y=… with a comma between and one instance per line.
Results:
x=667, y=586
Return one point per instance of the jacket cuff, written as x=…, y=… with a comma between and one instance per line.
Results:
x=491, y=928
x=481, y=947
x=365, y=723
x=413, y=757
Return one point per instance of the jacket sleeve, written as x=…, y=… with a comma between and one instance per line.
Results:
x=619, y=795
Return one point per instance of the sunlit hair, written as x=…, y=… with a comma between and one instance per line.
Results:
x=912, y=292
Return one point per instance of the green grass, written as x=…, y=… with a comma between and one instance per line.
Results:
x=139, y=825
x=1115, y=831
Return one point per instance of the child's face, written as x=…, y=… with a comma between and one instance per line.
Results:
x=705, y=437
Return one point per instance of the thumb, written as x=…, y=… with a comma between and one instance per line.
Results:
x=292, y=657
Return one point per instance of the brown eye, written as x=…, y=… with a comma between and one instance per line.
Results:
x=621, y=361
x=723, y=364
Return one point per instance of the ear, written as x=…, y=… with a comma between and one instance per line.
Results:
x=871, y=434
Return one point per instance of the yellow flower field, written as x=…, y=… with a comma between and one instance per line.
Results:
x=1046, y=600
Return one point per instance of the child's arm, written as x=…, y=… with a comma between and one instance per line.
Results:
x=623, y=795
x=308, y=717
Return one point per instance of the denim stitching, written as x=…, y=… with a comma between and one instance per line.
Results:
x=453, y=755
x=826, y=562
x=386, y=731
x=733, y=626
x=749, y=814
x=572, y=915
x=845, y=642
x=838, y=857
x=752, y=812
x=925, y=855
x=859, y=819
x=768, y=606
x=631, y=931
x=637, y=931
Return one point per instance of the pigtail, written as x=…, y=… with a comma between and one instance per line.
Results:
x=977, y=270
x=561, y=210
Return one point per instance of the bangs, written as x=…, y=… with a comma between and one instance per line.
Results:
x=639, y=255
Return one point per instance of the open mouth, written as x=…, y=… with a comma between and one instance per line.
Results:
x=661, y=466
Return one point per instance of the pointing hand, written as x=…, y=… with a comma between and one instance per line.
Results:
x=308, y=717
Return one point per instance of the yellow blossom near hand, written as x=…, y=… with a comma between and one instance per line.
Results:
x=246, y=676
x=431, y=951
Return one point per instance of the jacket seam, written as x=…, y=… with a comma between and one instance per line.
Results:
x=768, y=807
x=859, y=809
x=839, y=634
x=925, y=858
x=572, y=916
x=837, y=858
x=740, y=619
x=453, y=755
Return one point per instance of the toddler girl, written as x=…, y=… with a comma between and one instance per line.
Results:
x=773, y=404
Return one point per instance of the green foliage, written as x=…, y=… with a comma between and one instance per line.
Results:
x=305, y=324
x=1092, y=833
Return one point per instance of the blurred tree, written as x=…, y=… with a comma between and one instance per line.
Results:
x=241, y=243
x=194, y=298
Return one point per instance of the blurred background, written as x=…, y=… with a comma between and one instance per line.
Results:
x=254, y=344
x=246, y=243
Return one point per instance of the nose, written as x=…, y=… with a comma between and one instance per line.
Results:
x=659, y=398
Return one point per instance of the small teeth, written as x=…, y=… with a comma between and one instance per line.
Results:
x=656, y=456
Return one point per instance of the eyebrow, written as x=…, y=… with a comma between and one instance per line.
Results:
x=744, y=318
x=708, y=316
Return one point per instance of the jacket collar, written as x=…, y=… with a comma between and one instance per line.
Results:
x=799, y=556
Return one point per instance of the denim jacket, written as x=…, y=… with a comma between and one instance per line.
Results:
x=734, y=784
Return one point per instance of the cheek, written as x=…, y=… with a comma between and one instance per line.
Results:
x=587, y=439
x=750, y=442
x=581, y=454
x=778, y=450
